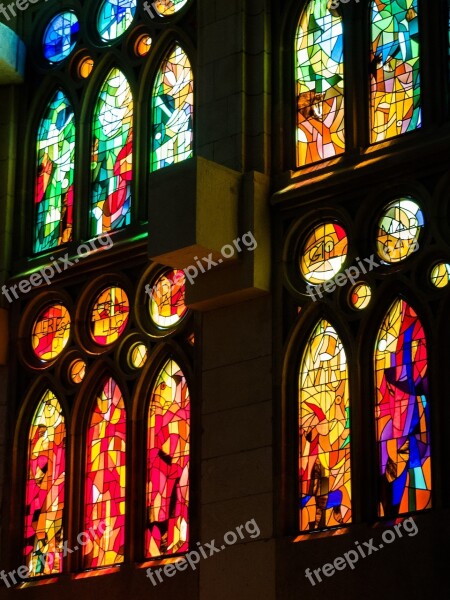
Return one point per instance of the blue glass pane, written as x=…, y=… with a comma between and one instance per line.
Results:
x=114, y=18
x=61, y=36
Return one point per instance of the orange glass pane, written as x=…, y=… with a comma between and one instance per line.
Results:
x=77, y=370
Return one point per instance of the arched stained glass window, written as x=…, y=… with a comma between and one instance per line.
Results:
x=44, y=503
x=173, y=110
x=402, y=413
x=114, y=18
x=324, y=432
x=105, y=479
x=395, y=73
x=167, y=520
x=319, y=63
x=112, y=155
x=55, y=169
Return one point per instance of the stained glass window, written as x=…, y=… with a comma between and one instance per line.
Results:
x=138, y=355
x=360, y=296
x=61, y=36
x=109, y=315
x=168, y=7
x=324, y=430
x=77, y=370
x=114, y=18
x=172, y=109
x=399, y=230
x=143, y=45
x=51, y=332
x=55, y=168
x=44, y=503
x=402, y=413
x=105, y=479
x=440, y=275
x=167, y=521
x=319, y=49
x=166, y=304
x=395, y=73
x=324, y=253
x=112, y=155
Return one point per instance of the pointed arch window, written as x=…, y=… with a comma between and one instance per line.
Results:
x=402, y=413
x=45, y=488
x=168, y=441
x=319, y=64
x=53, y=196
x=105, y=479
x=112, y=155
x=172, y=111
x=395, y=69
x=324, y=432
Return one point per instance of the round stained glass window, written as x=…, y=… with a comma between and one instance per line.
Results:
x=61, y=36
x=114, y=18
x=324, y=253
x=77, y=370
x=51, y=332
x=167, y=293
x=109, y=315
x=143, y=44
x=399, y=230
x=138, y=355
x=440, y=275
x=360, y=296
x=165, y=8
x=85, y=67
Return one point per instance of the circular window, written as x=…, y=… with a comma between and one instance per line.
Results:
x=440, y=275
x=77, y=370
x=138, y=355
x=51, y=332
x=165, y=8
x=324, y=253
x=114, y=18
x=85, y=67
x=360, y=296
x=61, y=36
x=399, y=230
x=109, y=315
x=143, y=44
x=166, y=304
